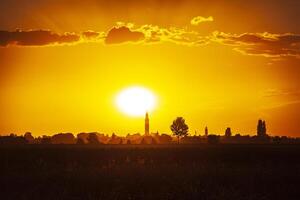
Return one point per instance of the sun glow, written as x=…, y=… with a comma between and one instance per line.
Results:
x=135, y=101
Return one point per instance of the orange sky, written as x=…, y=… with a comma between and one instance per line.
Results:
x=214, y=63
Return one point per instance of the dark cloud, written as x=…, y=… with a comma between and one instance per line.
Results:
x=35, y=38
x=123, y=34
x=90, y=34
x=261, y=44
x=266, y=44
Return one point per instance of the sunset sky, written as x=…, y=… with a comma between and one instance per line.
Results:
x=216, y=63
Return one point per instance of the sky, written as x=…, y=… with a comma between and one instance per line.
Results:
x=216, y=63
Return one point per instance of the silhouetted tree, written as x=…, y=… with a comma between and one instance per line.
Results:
x=79, y=141
x=83, y=136
x=63, y=138
x=29, y=138
x=228, y=132
x=179, y=128
x=264, y=128
x=46, y=140
x=12, y=139
x=206, y=131
x=261, y=128
x=237, y=135
x=93, y=138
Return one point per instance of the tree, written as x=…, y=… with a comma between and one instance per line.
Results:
x=206, y=131
x=179, y=128
x=63, y=138
x=228, y=132
x=46, y=139
x=93, y=138
x=29, y=138
x=12, y=140
x=264, y=128
x=79, y=141
x=261, y=128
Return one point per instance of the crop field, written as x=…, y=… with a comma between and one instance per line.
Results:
x=150, y=172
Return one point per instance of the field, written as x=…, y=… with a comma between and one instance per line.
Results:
x=150, y=172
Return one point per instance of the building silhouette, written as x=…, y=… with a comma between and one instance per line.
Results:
x=147, y=124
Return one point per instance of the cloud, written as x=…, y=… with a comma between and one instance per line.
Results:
x=263, y=44
x=275, y=46
x=90, y=34
x=35, y=38
x=281, y=97
x=282, y=104
x=282, y=93
x=123, y=34
x=199, y=19
x=152, y=34
x=175, y=35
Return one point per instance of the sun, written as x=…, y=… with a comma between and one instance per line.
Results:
x=135, y=101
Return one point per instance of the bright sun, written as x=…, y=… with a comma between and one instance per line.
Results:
x=135, y=101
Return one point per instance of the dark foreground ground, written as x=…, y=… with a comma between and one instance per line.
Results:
x=156, y=172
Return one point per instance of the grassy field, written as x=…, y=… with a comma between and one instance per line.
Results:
x=150, y=172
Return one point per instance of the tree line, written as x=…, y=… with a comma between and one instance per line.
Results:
x=180, y=135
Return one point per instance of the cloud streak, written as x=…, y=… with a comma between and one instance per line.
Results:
x=35, y=38
x=199, y=19
x=282, y=93
x=262, y=44
x=92, y=35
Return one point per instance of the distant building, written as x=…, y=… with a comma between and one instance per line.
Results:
x=147, y=124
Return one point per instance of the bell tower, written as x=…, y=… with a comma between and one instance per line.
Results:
x=146, y=124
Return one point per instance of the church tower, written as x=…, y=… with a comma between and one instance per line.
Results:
x=146, y=124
